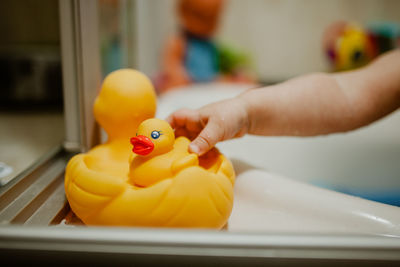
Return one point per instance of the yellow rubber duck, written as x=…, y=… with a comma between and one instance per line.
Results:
x=159, y=155
x=160, y=183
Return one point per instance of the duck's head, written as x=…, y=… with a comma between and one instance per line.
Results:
x=153, y=137
x=127, y=98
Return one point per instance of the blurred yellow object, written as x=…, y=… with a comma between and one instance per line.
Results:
x=353, y=48
x=126, y=98
x=162, y=184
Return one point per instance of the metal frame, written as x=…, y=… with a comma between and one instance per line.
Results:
x=129, y=40
x=81, y=71
x=196, y=247
x=37, y=196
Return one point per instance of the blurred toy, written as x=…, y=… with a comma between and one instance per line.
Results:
x=160, y=183
x=192, y=56
x=386, y=35
x=349, y=46
x=234, y=65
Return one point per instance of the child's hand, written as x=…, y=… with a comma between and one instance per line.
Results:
x=211, y=124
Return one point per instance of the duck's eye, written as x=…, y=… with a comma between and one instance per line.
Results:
x=155, y=134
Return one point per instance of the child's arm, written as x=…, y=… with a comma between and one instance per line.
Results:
x=309, y=105
x=326, y=103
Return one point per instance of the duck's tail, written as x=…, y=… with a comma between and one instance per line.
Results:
x=88, y=191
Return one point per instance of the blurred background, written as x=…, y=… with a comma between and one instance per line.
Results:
x=247, y=43
x=283, y=38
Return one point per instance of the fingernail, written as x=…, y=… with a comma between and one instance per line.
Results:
x=193, y=148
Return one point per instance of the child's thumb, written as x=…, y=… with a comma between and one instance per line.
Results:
x=208, y=137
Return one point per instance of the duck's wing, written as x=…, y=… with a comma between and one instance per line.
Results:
x=184, y=162
x=181, y=143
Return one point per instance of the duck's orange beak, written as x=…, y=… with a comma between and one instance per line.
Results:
x=142, y=145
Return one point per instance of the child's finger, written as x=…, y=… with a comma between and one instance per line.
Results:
x=193, y=122
x=178, y=118
x=170, y=120
x=207, y=138
x=181, y=132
